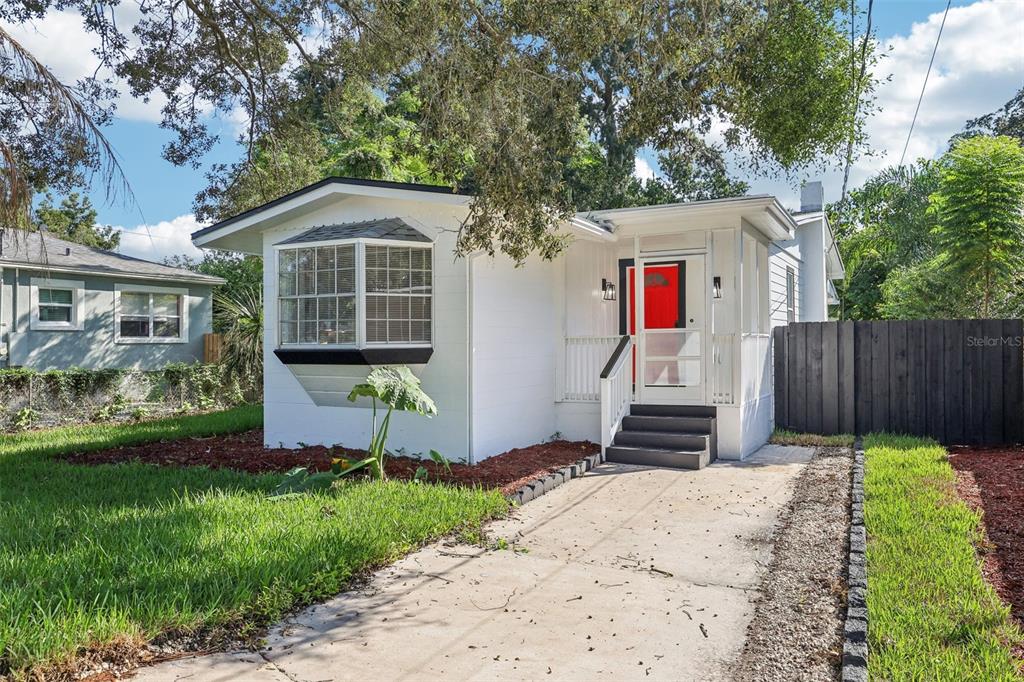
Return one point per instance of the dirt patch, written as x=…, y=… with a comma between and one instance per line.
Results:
x=992, y=481
x=796, y=631
x=245, y=452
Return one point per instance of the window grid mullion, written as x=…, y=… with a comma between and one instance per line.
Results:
x=360, y=265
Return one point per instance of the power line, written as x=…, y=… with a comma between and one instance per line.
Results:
x=856, y=85
x=150, y=236
x=925, y=84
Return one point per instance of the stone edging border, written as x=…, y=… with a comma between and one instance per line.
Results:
x=535, y=489
x=855, y=631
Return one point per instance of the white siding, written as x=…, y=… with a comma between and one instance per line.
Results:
x=811, y=282
x=780, y=259
x=307, y=403
x=581, y=311
x=515, y=340
x=581, y=268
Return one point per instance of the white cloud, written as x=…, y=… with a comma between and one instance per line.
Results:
x=61, y=42
x=158, y=241
x=978, y=68
x=642, y=169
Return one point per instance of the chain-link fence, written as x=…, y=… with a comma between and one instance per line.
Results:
x=30, y=399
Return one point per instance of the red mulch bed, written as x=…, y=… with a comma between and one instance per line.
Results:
x=245, y=452
x=992, y=480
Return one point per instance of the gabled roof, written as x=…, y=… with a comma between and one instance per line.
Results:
x=833, y=259
x=323, y=191
x=42, y=251
x=762, y=210
x=386, y=228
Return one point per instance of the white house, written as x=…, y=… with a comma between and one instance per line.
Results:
x=670, y=371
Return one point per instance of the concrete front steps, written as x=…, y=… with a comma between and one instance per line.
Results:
x=675, y=436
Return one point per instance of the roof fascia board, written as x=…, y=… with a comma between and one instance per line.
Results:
x=115, y=274
x=261, y=215
x=686, y=206
x=372, y=241
x=738, y=205
x=804, y=218
x=591, y=229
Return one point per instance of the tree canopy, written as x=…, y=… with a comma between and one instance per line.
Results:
x=979, y=206
x=939, y=239
x=74, y=220
x=500, y=86
x=242, y=275
x=881, y=226
x=1006, y=120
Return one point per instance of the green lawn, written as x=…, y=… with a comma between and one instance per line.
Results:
x=93, y=555
x=931, y=615
x=784, y=437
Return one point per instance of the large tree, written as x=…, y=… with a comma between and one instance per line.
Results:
x=941, y=239
x=370, y=134
x=500, y=82
x=339, y=129
x=1007, y=120
x=979, y=206
x=74, y=220
x=880, y=227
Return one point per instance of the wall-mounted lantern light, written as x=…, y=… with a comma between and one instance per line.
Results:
x=607, y=290
x=716, y=287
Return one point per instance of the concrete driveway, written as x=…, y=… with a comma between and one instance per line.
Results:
x=627, y=573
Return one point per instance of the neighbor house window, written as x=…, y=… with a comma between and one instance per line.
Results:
x=790, y=295
x=355, y=294
x=150, y=314
x=56, y=304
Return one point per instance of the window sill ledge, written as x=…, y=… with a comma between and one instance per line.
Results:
x=354, y=356
x=145, y=340
x=54, y=327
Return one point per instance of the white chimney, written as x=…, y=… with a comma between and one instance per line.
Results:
x=812, y=197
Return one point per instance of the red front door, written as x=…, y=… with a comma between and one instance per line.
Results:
x=661, y=297
x=668, y=358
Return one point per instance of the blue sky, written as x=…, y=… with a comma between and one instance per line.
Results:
x=980, y=65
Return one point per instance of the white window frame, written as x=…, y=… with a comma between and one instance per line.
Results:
x=77, y=288
x=360, y=252
x=183, y=311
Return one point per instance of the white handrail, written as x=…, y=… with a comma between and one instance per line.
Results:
x=616, y=390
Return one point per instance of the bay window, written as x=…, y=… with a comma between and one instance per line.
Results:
x=316, y=293
x=359, y=293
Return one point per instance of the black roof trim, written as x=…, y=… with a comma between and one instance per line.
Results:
x=334, y=179
x=352, y=356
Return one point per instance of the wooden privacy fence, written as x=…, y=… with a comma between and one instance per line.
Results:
x=958, y=381
x=213, y=348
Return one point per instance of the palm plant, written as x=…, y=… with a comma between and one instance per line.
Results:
x=67, y=137
x=240, y=312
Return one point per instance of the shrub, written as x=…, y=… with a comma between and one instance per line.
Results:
x=29, y=398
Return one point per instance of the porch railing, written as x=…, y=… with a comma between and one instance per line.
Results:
x=616, y=390
x=584, y=357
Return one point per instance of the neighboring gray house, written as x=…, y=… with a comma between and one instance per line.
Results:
x=67, y=305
